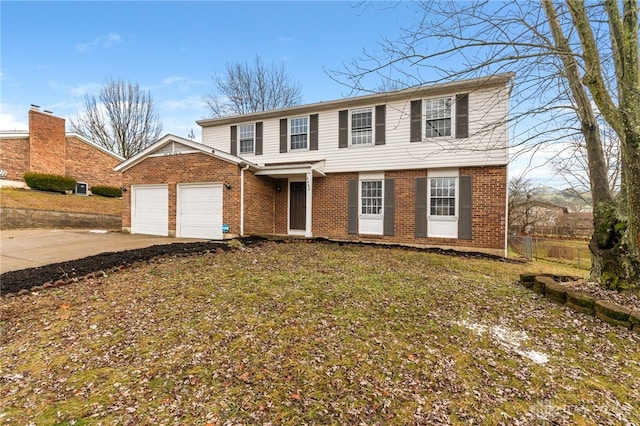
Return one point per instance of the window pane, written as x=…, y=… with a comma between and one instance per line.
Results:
x=371, y=197
x=247, y=132
x=361, y=126
x=442, y=196
x=298, y=132
x=437, y=117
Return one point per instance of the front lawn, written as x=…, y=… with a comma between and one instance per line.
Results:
x=312, y=333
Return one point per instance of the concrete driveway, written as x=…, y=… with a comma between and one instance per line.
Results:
x=28, y=248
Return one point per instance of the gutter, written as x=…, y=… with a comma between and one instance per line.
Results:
x=246, y=167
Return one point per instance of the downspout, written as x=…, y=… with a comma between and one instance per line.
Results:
x=242, y=199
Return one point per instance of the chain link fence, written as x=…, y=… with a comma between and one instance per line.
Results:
x=573, y=252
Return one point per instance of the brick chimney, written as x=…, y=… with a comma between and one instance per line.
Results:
x=46, y=142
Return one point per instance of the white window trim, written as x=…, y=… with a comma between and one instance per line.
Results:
x=373, y=127
x=423, y=124
x=370, y=177
x=447, y=174
x=240, y=139
x=289, y=134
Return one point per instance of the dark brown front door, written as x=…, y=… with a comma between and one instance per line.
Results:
x=297, y=205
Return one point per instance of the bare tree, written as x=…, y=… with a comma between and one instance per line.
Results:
x=568, y=58
x=572, y=164
x=121, y=118
x=521, y=203
x=246, y=88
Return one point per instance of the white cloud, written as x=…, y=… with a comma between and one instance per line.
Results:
x=190, y=103
x=85, y=88
x=8, y=121
x=104, y=41
x=183, y=84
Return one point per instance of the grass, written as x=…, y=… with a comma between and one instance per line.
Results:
x=304, y=333
x=38, y=200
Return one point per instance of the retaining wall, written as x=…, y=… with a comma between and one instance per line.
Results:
x=12, y=218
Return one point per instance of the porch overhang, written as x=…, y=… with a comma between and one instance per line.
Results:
x=283, y=170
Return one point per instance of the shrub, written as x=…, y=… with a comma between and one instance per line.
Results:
x=48, y=182
x=106, y=191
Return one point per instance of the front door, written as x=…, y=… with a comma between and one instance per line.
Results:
x=297, y=206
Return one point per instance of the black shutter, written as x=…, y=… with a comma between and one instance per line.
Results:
x=258, y=146
x=234, y=140
x=421, y=207
x=313, y=132
x=283, y=135
x=352, y=207
x=389, y=207
x=465, y=217
x=416, y=121
x=343, y=128
x=462, y=116
x=380, y=124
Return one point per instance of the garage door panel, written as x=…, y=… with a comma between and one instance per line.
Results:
x=150, y=210
x=200, y=211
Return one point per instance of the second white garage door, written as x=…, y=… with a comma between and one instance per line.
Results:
x=199, y=211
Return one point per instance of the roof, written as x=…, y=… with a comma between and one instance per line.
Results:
x=190, y=145
x=429, y=90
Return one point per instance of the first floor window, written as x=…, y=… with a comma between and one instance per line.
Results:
x=437, y=117
x=247, y=138
x=362, y=126
x=298, y=132
x=442, y=196
x=371, y=197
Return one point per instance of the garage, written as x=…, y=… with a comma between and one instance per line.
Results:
x=199, y=211
x=150, y=209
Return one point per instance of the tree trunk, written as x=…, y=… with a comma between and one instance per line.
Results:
x=616, y=238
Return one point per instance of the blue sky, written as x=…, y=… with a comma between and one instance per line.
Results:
x=53, y=53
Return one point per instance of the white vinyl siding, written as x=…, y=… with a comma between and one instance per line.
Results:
x=486, y=144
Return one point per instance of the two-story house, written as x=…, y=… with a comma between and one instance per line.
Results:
x=423, y=166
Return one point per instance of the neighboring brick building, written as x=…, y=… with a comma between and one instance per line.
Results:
x=47, y=148
x=423, y=166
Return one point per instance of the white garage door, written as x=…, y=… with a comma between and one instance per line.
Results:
x=199, y=211
x=150, y=209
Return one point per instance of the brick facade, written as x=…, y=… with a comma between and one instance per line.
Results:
x=46, y=148
x=488, y=222
x=14, y=157
x=185, y=168
x=85, y=163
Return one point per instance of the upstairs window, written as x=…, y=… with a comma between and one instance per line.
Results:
x=247, y=138
x=362, y=126
x=298, y=130
x=437, y=115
